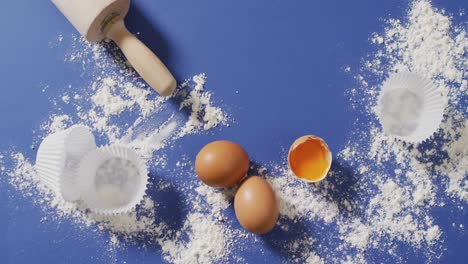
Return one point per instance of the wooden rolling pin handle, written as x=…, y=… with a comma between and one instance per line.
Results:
x=143, y=60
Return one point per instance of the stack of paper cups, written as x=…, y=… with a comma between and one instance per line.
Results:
x=110, y=180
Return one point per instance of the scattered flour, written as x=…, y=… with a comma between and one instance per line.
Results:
x=379, y=193
x=433, y=234
x=298, y=201
x=57, y=123
x=148, y=143
x=66, y=99
x=203, y=114
x=455, y=167
x=207, y=241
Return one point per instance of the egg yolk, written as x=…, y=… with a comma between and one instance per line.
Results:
x=310, y=160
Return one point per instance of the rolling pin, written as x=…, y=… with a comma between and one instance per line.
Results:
x=100, y=19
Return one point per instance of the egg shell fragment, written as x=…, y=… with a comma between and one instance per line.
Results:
x=310, y=158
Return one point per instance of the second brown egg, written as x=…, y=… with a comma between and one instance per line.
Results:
x=256, y=206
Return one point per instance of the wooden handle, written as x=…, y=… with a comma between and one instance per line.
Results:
x=145, y=62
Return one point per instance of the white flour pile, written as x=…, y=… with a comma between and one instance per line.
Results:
x=376, y=203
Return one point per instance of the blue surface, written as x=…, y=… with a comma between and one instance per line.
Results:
x=285, y=58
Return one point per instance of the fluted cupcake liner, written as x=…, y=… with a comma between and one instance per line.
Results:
x=58, y=157
x=410, y=107
x=112, y=179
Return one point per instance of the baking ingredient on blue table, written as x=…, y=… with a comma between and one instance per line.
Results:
x=379, y=196
x=256, y=206
x=309, y=158
x=222, y=163
x=203, y=114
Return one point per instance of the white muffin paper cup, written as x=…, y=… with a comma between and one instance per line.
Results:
x=58, y=157
x=410, y=107
x=112, y=179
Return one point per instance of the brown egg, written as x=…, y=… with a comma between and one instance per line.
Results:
x=222, y=164
x=256, y=206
